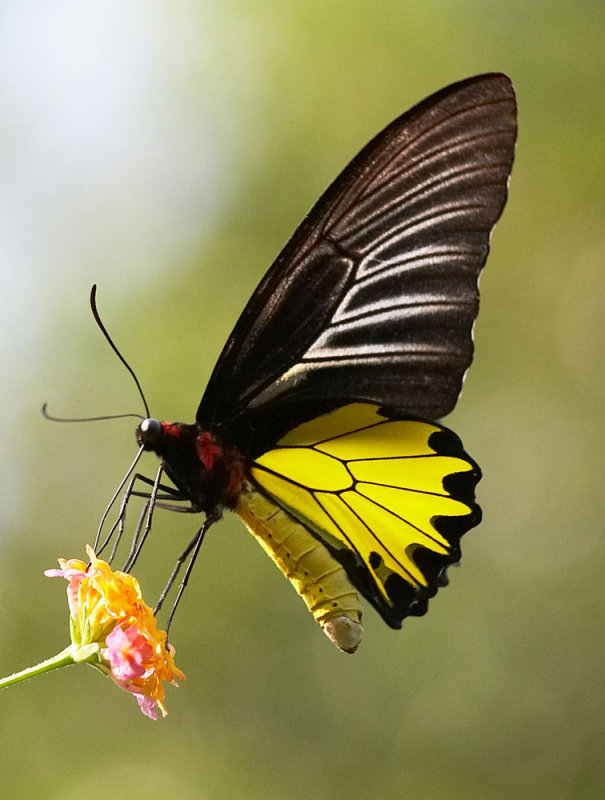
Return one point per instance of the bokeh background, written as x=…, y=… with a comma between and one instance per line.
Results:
x=166, y=151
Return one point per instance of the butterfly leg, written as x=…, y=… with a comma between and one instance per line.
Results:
x=195, y=545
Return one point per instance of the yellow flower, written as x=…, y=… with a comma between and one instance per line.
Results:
x=113, y=629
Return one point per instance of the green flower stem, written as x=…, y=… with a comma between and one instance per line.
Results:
x=62, y=659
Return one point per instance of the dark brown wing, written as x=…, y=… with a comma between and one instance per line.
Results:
x=375, y=295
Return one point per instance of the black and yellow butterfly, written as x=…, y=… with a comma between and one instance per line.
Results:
x=317, y=426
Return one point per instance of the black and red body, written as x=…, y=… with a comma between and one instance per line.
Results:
x=207, y=472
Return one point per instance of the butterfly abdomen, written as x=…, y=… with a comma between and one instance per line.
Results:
x=318, y=578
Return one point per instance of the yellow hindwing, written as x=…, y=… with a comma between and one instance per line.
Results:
x=371, y=488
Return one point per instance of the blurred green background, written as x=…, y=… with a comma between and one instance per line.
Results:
x=166, y=151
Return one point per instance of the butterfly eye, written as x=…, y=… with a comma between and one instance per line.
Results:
x=149, y=432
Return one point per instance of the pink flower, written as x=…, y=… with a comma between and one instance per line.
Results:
x=127, y=652
x=147, y=705
x=74, y=575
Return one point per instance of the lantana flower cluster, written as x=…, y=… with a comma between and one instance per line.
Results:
x=113, y=629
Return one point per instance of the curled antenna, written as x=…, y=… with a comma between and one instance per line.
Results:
x=95, y=313
x=52, y=418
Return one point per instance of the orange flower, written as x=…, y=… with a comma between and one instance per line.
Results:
x=113, y=629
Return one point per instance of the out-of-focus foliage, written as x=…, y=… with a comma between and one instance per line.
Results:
x=166, y=151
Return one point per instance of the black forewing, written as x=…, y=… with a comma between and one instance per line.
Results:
x=375, y=295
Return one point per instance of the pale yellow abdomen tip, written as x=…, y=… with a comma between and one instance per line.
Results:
x=345, y=633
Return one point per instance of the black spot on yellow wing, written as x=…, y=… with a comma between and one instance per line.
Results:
x=389, y=498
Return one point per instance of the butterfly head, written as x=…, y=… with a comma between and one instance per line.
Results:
x=149, y=433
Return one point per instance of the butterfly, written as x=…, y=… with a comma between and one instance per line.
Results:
x=318, y=425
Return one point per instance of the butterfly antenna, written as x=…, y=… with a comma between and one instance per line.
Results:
x=52, y=417
x=95, y=313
